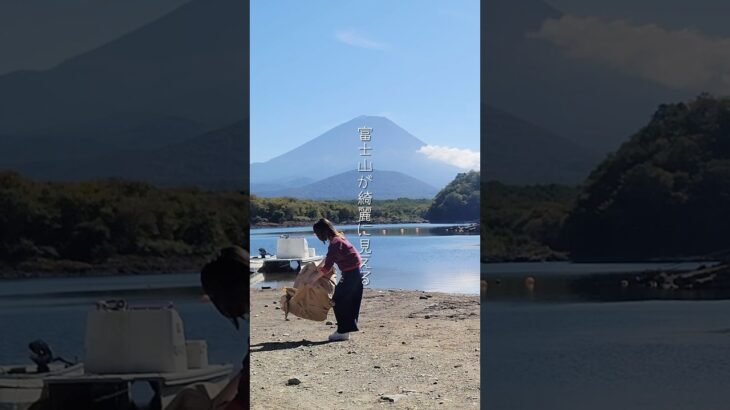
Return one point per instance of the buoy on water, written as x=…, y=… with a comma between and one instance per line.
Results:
x=530, y=283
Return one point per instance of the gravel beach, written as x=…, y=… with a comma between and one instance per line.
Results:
x=415, y=350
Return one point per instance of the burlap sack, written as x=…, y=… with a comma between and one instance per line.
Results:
x=309, y=301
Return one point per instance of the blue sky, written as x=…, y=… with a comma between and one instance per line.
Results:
x=662, y=41
x=708, y=16
x=316, y=64
x=39, y=34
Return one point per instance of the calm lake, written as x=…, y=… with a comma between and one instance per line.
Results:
x=558, y=346
x=404, y=256
x=55, y=309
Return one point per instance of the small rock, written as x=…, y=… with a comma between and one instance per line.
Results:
x=457, y=365
x=411, y=357
x=278, y=308
x=293, y=381
x=274, y=302
x=328, y=323
x=266, y=305
x=423, y=297
x=392, y=397
x=339, y=392
x=376, y=367
x=402, y=343
x=427, y=317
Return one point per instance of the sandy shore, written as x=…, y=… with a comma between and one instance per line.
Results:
x=416, y=350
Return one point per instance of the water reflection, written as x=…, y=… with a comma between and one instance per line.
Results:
x=408, y=256
x=55, y=310
x=411, y=229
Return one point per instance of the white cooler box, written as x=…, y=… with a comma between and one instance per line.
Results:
x=135, y=341
x=197, y=352
x=292, y=248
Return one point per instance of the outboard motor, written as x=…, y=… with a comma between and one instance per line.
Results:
x=41, y=355
x=263, y=252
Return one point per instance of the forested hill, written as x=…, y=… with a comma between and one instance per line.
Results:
x=458, y=201
x=665, y=192
x=113, y=226
x=289, y=211
x=523, y=223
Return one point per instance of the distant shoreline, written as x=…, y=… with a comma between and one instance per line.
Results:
x=298, y=224
x=123, y=266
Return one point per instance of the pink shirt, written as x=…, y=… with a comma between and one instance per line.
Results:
x=341, y=252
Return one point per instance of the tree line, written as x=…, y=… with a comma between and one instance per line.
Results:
x=457, y=202
x=96, y=221
x=293, y=211
x=665, y=193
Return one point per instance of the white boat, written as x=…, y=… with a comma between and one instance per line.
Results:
x=291, y=254
x=116, y=389
x=124, y=347
x=22, y=385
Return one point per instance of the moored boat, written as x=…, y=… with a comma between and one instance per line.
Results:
x=291, y=254
x=126, y=348
x=22, y=385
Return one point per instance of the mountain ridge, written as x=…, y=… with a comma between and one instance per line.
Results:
x=213, y=160
x=590, y=103
x=516, y=151
x=174, y=66
x=337, y=151
x=385, y=185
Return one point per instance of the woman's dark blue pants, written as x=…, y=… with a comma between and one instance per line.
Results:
x=347, y=298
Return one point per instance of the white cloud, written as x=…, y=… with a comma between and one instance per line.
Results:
x=459, y=157
x=353, y=38
x=683, y=59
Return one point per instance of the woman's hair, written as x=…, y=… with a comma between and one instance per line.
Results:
x=226, y=281
x=325, y=230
